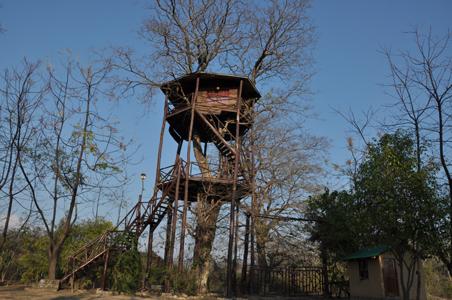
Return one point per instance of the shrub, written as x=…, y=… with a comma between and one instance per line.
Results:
x=127, y=269
x=183, y=282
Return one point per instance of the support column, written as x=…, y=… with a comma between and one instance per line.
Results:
x=151, y=202
x=253, y=210
x=175, y=210
x=169, y=222
x=236, y=242
x=187, y=177
x=104, y=273
x=244, y=277
x=230, y=289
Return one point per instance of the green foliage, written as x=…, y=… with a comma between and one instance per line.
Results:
x=397, y=203
x=336, y=225
x=394, y=202
x=183, y=282
x=157, y=275
x=29, y=262
x=127, y=269
x=86, y=283
x=180, y=282
x=32, y=258
x=80, y=234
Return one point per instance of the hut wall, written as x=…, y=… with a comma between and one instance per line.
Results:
x=214, y=102
x=371, y=287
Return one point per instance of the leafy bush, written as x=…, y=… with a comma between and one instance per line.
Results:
x=32, y=259
x=183, y=282
x=179, y=282
x=127, y=269
x=157, y=275
x=81, y=234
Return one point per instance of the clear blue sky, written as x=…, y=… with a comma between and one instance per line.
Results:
x=349, y=67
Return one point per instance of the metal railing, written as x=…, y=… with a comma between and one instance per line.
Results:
x=215, y=171
x=303, y=281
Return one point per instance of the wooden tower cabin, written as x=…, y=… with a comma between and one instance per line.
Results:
x=207, y=112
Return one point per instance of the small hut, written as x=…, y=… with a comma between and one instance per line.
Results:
x=375, y=274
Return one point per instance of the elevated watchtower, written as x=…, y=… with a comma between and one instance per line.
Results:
x=210, y=109
x=205, y=110
x=202, y=110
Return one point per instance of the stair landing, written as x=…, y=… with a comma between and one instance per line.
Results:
x=219, y=189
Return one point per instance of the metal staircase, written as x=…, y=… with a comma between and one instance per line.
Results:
x=152, y=212
x=143, y=214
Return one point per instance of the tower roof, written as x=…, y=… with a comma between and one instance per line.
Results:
x=188, y=83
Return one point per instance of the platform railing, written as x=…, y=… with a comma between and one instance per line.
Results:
x=184, y=103
x=216, y=171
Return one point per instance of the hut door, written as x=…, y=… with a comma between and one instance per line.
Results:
x=390, y=277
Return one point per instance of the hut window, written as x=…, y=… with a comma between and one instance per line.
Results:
x=363, y=268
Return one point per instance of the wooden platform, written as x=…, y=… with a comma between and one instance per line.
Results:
x=216, y=188
x=179, y=121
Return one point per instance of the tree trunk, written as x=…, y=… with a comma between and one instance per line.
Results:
x=207, y=216
x=418, y=279
x=205, y=234
x=324, y=256
x=10, y=202
x=261, y=240
x=405, y=294
x=53, y=263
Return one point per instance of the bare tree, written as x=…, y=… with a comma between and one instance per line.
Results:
x=415, y=110
x=20, y=99
x=192, y=34
x=75, y=150
x=422, y=82
x=288, y=163
x=270, y=43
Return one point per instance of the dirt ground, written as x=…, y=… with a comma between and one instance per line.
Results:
x=27, y=293
x=22, y=292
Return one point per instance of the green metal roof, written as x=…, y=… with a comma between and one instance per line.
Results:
x=366, y=253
